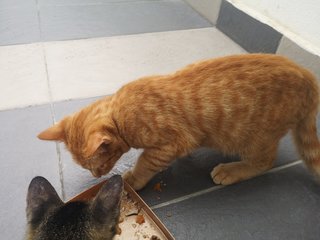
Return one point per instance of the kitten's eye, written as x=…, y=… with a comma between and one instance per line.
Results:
x=104, y=147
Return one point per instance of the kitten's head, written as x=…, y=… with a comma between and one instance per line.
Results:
x=49, y=218
x=91, y=136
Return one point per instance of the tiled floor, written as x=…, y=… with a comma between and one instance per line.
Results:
x=279, y=205
x=48, y=20
x=282, y=204
x=22, y=158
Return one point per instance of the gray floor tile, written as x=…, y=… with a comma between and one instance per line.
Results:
x=85, y=21
x=65, y=108
x=185, y=176
x=84, y=2
x=280, y=205
x=192, y=173
x=245, y=30
x=16, y=3
x=23, y=157
x=19, y=24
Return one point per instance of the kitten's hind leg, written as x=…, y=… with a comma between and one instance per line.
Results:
x=151, y=162
x=250, y=166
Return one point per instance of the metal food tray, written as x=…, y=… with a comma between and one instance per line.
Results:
x=155, y=221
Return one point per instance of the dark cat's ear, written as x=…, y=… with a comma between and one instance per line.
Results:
x=41, y=199
x=106, y=205
x=55, y=133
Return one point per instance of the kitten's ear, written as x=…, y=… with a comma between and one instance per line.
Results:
x=94, y=142
x=106, y=205
x=40, y=199
x=56, y=133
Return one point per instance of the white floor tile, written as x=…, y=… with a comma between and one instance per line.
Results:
x=93, y=67
x=23, y=76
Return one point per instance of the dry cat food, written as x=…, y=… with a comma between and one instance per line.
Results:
x=157, y=187
x=140, y=219
x=134, y=223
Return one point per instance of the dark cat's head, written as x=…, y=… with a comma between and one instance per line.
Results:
x=51, y=219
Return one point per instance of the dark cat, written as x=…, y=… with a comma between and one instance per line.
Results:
x=51, y=219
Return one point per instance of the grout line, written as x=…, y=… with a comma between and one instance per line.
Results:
x=63, y=193
x=51, y=103
x=277, y=169
x=217, y=187
x=60, y=165
x=186, y=197
x=129, y=35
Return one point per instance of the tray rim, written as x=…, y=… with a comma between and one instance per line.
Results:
x=133, y=194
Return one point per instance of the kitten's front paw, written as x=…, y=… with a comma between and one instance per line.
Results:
x=225, y=174
x=132, y=181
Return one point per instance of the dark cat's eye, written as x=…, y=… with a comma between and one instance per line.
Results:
x=113, y=229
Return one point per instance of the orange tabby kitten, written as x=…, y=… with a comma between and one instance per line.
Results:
x=238, y=104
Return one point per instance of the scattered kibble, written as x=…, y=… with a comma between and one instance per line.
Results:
x=157, y=187
x=154, y=237
x=118, y=230
x=140, y=219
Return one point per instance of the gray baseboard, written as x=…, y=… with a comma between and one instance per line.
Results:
x=245, y=30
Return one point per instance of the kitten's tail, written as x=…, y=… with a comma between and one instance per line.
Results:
x=305, y=136
x=305, y=133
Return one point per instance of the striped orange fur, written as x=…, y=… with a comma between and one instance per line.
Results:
x=240, y=105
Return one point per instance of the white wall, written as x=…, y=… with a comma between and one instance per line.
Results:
x=299, y=20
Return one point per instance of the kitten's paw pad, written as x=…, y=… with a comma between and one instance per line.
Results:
x=132, y=181
x=224, y=174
